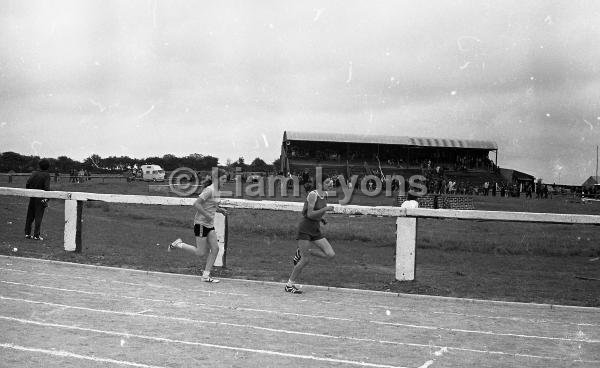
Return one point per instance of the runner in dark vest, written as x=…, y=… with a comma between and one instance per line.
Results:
x=309, y=233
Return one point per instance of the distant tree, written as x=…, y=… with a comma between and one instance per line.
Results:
x=277, y=165
x=209, y=162
x=52, y=162
x=170, y=162
x=127, y=162
x=240, y=163
x=112, y=163
x=12, y=161
x=154, y=160
x=20, y=163
x=93, y=162
x=64, y=164
x=258, y=165
x=31, y=163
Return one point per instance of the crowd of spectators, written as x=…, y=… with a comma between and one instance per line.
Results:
x=454, y=160
x=76, y=176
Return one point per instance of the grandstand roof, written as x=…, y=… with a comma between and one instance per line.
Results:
x=388, y=139
x=591, y=181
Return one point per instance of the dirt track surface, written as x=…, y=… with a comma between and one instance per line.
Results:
x=56, y=314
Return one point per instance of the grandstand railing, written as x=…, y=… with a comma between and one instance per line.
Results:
x=406, y=219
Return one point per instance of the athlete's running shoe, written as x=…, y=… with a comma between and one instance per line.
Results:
x=175, y=244
x=28, y=237
x=37, y=238
x=208, y=279
x=292, y=289
x=297, y=257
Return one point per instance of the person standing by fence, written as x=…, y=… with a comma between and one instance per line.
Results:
x=206, y=206
x=35, y=210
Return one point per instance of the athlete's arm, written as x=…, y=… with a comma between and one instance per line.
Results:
x=199, y=206
x=311, y=213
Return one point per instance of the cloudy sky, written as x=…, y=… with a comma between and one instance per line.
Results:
x=226, y=78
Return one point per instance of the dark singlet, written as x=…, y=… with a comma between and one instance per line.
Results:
x=319, y=204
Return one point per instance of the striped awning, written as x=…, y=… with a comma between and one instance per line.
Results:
x=388, y=139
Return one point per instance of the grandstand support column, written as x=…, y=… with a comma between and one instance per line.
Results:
x=406, y=240
x=73, y=211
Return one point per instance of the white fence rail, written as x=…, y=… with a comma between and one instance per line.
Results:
x=406, y=223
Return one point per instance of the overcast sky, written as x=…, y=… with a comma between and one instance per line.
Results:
x=226, y=78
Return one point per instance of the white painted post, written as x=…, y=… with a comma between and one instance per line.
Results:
x=406, y=239
x=70, y=224
x=221, y=230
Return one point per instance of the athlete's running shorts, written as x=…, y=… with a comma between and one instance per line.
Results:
x=201, y=229
x=309, y=230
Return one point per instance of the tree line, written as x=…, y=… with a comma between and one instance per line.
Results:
x=12, y=161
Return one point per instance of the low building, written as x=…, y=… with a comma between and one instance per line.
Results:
x=517, y=177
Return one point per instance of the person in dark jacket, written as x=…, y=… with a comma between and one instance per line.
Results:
x=35, y=211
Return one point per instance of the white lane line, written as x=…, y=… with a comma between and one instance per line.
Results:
x=396, y=324
x=181, y=319
x=123, y=282
x=52, y=288
x=516, y=319
x=484, y=332
x=67, y=354
x=427, y=364
x=204, y=305
x=385, y=294
x=178, y=289
x=195, y=343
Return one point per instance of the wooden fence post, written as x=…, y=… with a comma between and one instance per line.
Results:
x=78, y=231
x=406, y=240
x=221, y=229
x=73, y=212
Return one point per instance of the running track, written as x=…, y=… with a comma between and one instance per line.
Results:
x=55, y=314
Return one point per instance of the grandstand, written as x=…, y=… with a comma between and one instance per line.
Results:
x=353, y=154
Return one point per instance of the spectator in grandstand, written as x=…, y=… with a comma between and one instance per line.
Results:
x=305, y=178
x=309, y=233
x=462, y=188
x=35, y=210
x=452, y=186
x=528, y=191
x=206, y=206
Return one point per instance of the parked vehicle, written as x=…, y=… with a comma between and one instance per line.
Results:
x=153, y=173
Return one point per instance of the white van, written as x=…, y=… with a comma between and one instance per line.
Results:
x=153, y=173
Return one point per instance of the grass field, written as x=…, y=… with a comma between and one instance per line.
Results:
x=490, y=260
